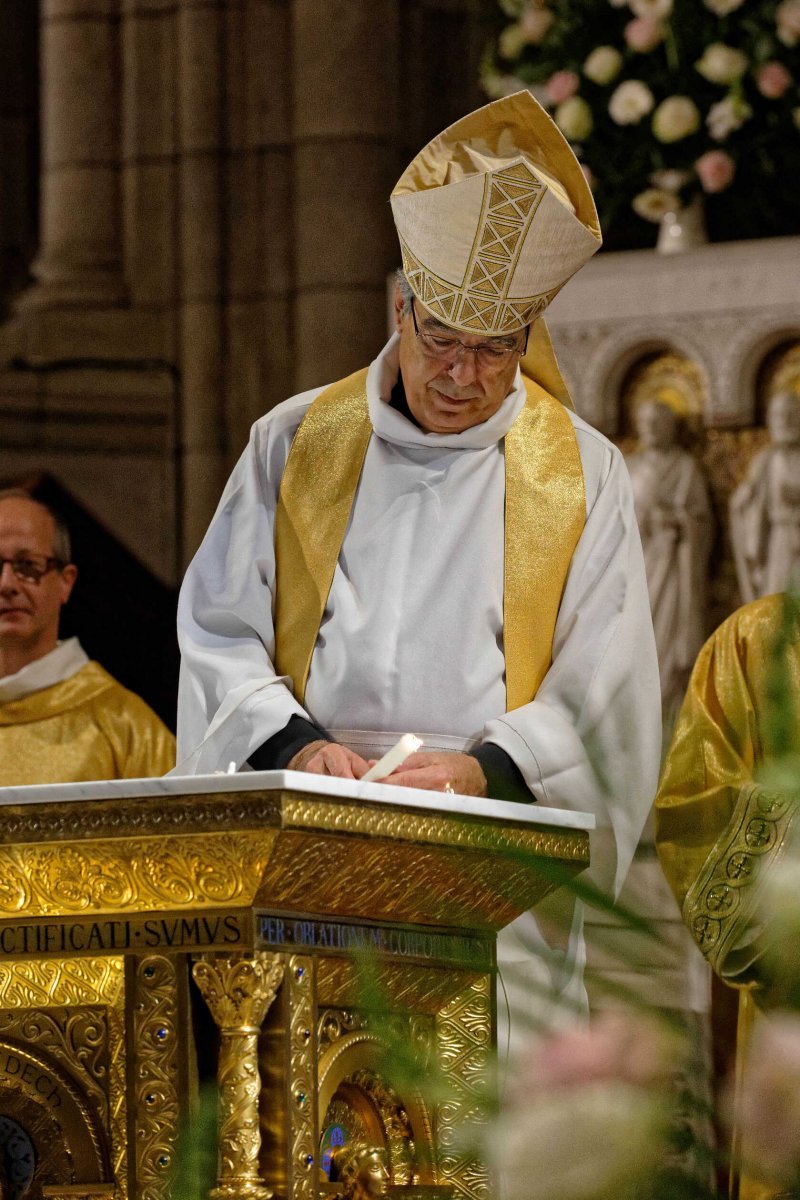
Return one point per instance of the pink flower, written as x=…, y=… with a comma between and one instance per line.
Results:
x=787, y=16
x=643, y=34
x=773, y=79
x=769, y=1111
x=715, y=170
x=561, y=86
x=534, y=24
x=615, y=1047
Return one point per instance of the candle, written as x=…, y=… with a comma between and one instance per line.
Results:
x=392, y=759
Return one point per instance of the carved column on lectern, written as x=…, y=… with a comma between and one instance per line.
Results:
x=239, y=992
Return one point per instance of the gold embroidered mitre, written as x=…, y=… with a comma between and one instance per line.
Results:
x=494, y=216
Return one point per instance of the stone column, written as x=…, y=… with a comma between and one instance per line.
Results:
x=239, y=992
x=201, y=89
x=346, y=97
x=79, y=260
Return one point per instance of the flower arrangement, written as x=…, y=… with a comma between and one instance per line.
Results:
x=664, y=99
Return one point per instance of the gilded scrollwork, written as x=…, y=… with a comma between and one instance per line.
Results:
x=432, y=829
x=35, y=983
x=392, y=881
x=73, y=1009
x=239, y=991
x=156, y=1074
x=136, y=875
x=140, y=816
x=464, y=1039
x=300, y=980
x=405, y=986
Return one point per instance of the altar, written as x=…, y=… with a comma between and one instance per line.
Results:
x=270, y=898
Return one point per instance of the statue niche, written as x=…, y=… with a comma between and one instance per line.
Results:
x=675, y=520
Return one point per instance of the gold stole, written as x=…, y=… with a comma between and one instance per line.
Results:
x=545, y=513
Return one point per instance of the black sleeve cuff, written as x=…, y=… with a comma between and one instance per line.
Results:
x=279, y=750
x=504, y=780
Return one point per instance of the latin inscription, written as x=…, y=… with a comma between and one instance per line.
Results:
x=116, y=936
x=16, y=1069
x=284, y=932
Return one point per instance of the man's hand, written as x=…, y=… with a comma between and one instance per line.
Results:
x=441, y=771
x=328, y=758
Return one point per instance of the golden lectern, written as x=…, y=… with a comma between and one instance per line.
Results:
x=120, y=902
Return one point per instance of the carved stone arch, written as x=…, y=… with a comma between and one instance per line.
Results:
x=69, y=1143
x=620, y=355
x=764, y=358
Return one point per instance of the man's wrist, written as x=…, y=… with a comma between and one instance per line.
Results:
x=279, y=751
x=504, y=780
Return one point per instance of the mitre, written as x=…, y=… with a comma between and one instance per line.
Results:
x=494, y=216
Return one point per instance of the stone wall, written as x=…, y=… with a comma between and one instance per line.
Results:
x=214, y=228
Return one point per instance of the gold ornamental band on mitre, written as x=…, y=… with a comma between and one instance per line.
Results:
x=494, y=216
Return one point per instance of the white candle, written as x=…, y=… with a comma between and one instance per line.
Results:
x=392, y=759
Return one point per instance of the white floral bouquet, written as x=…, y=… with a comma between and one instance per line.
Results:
x=662, y=99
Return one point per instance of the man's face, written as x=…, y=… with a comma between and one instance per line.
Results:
x=452, y=393
x=29, y=611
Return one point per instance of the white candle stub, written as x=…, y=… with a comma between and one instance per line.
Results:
x=392, y=759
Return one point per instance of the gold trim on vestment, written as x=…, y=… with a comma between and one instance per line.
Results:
x=316, y=495
x=722, y=903
x=544, y=517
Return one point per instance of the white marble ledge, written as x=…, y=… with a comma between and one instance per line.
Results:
x=719, y=278
x=296, y=781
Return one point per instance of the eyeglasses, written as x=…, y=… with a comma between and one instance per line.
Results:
x=31, y=567
x=487, y=354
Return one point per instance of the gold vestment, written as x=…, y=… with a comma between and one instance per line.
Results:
x=545, y=512
x=717, y=828
x=86, y=727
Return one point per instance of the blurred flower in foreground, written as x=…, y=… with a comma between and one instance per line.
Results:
x=768, y=1113
x=605, y=1086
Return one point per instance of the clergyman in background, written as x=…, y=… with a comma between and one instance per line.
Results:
x=63, y=719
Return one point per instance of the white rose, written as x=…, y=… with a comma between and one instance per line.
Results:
x=721, y=63
x=603, y=64
x=574, y=118
x=655, y=10
x=511, y=41
x=722, y=7
x=726, y=116
x=653, y=203
x=631, y=101
x=675, y=118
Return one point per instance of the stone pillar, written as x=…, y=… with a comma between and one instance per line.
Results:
x=239, y=992
x=259, y=225
x=79, y=260
x=346, y=98
x=200, y=86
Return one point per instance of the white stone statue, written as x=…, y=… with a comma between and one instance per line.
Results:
x=765, y=507
x=676, y=524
